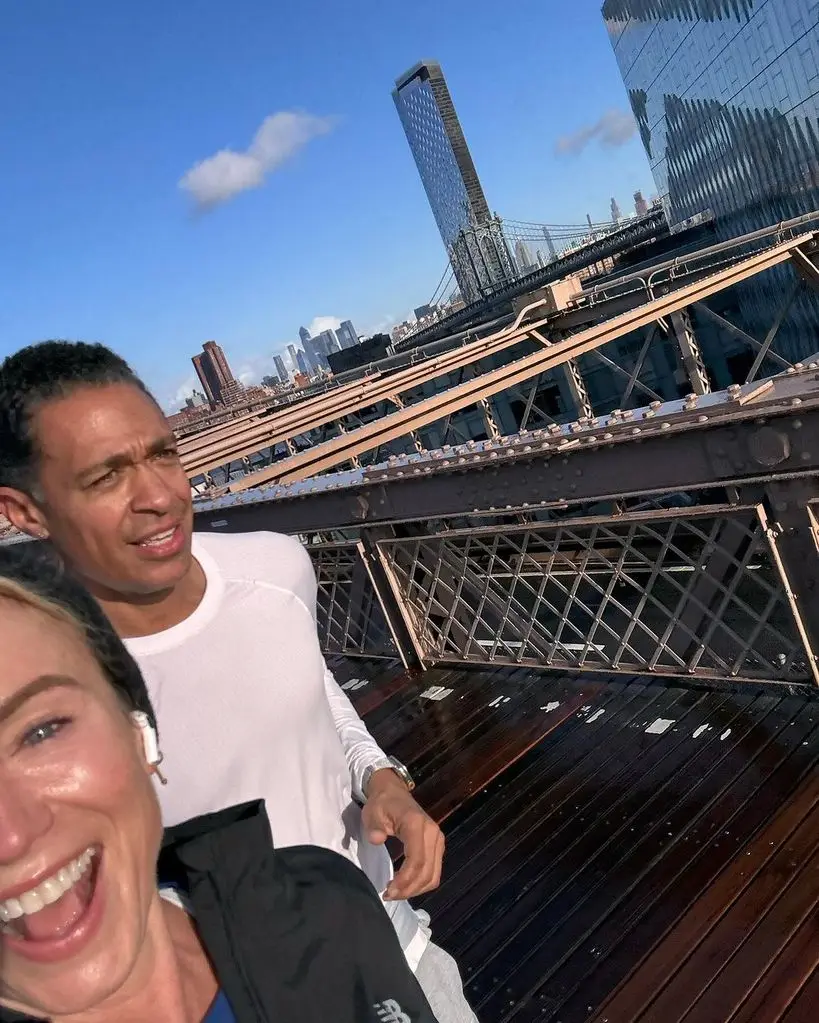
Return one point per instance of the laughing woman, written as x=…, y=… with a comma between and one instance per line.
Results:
x=103, y=921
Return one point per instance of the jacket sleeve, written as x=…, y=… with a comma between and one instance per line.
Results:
x=381, y=970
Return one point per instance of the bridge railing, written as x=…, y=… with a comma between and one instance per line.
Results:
x=695, y=591
x=680, y=540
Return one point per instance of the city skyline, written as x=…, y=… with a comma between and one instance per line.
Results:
x=125, y=238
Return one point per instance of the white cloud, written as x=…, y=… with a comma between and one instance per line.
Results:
x=615, y=128
x=253, y=367
x=321, y=323
x=385, y=324
x=227, y=173
x=175, y=395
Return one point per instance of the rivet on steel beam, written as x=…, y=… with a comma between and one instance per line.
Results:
x=608, y=436
x=702, y=419
x=655, y=405
x=636, y=431
x=796, y=424
x=666, y=426
x=796, y=401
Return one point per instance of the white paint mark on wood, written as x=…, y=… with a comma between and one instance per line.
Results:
x=660, y=726
x=436, y=693
x=355, y=683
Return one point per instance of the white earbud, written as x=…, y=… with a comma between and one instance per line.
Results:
x=150, y=742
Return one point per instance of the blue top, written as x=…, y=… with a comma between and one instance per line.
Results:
x=220, y=1011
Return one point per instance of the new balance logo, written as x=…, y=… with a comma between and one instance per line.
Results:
x=391, y=1012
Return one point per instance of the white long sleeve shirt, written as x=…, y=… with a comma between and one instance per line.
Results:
x=247, y=709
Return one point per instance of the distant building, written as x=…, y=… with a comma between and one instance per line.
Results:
x=215, y=375
x=616, y=215
x=347, y=336
x=196, y=399
x=523, y=255
x=423, y=311
x=281, y=369
x=640, y=205
x=304, y=334
x=369, y=350
x=319, y=347
x=302, y=364
x=726, y=99
x=473, y=238
x=293, y=364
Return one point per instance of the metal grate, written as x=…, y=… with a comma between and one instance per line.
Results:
x=350, y=617
x=675, y=592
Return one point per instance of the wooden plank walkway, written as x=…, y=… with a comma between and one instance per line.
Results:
x=618, y=849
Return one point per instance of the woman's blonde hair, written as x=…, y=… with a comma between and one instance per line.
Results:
x=37, y=579
x=20, y=593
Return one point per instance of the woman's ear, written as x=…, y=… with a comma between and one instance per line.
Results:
x=149, y=742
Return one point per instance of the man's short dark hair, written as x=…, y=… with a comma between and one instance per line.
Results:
x=40, y=373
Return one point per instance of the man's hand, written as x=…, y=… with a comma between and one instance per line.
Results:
x=391, y=810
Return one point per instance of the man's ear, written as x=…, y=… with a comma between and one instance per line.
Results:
x=23, y=512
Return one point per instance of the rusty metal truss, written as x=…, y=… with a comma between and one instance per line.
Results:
x=363, y=417
x=679, y=539
x=698, y=593
x=351, y=618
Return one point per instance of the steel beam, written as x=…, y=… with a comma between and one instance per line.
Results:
x=732, y=328
x=792, y=510
x=319, y=409
x=770, y=337
x=806, y=268
x=690, y=355
x=763, y=446
x=341, y=449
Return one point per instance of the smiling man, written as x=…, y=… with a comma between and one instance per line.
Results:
x=223, y=628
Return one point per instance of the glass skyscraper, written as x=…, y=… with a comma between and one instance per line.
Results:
x=473, y=238
x=726, y=98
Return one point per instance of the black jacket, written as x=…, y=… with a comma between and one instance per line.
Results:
x=296, y=935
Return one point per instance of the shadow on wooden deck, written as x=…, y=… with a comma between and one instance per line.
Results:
x=618, y=849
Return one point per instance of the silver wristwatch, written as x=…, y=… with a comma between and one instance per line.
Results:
x=388, y=764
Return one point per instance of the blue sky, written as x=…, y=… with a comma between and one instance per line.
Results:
x=107, y=106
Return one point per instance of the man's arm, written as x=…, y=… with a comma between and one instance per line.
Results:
x=389, y=809
x=360, y=748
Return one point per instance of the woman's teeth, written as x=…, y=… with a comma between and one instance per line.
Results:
x=48, y=891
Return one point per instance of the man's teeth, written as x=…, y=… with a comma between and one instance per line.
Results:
x=48, y=891
x=159, y=538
